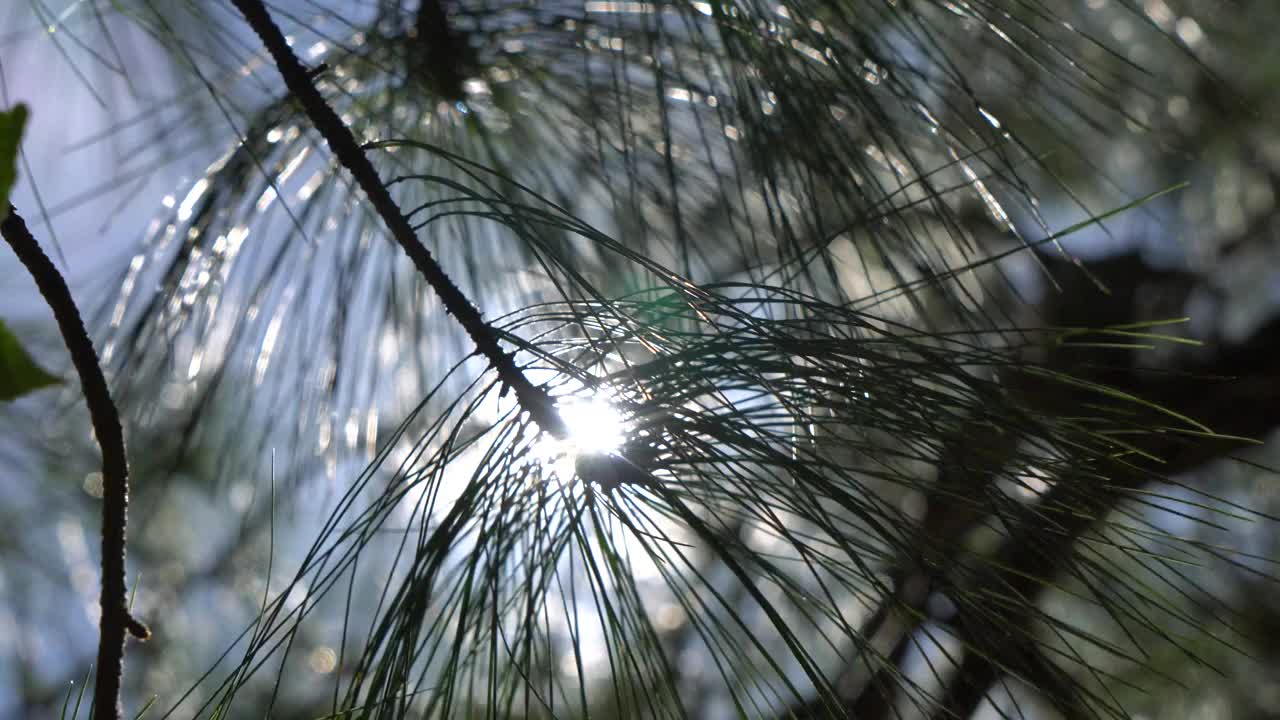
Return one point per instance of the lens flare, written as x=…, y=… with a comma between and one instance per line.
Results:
x=595, y=428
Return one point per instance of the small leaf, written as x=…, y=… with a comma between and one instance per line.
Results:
x=11, y=124
x=19, y=374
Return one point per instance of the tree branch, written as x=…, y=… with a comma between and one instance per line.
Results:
x=1244, y=402
x=1248, y=406
x=442, y=51
x=952, y=508
x=115, y=620
x=533, y=399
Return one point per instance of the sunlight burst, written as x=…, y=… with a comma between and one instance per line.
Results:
x=595, y=427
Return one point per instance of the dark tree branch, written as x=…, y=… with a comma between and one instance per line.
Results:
x=1023, y=658
x=952, y=508
x=1245, y=404
x=1001, y=637
x=533, y=399
x=1243, y=400
x=441, y=52
x=115, y=620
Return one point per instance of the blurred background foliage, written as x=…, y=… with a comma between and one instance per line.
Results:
x=791, y=240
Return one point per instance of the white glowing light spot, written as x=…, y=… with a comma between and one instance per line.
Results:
x=189, y=202
x=1189, y=31
x=264, y=201
x=619, y=7
x=311, y=185
x=594, y=426
x=992, y=119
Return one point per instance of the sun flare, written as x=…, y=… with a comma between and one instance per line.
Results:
x=595, y=427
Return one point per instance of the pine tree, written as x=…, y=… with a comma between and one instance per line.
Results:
x=680, y=345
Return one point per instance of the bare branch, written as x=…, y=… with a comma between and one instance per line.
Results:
x=116, y=620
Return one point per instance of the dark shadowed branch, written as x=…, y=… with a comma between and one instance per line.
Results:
x=116, y=620
x=533, y=399
x=1244, y=402
x=1235, y=393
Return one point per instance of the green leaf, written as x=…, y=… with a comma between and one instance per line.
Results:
x=11, y=124
x=19, y=374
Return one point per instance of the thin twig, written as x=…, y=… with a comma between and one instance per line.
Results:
x=533, y=399
x=116, y=620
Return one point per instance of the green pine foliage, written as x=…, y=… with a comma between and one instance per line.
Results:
x=823, y=459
